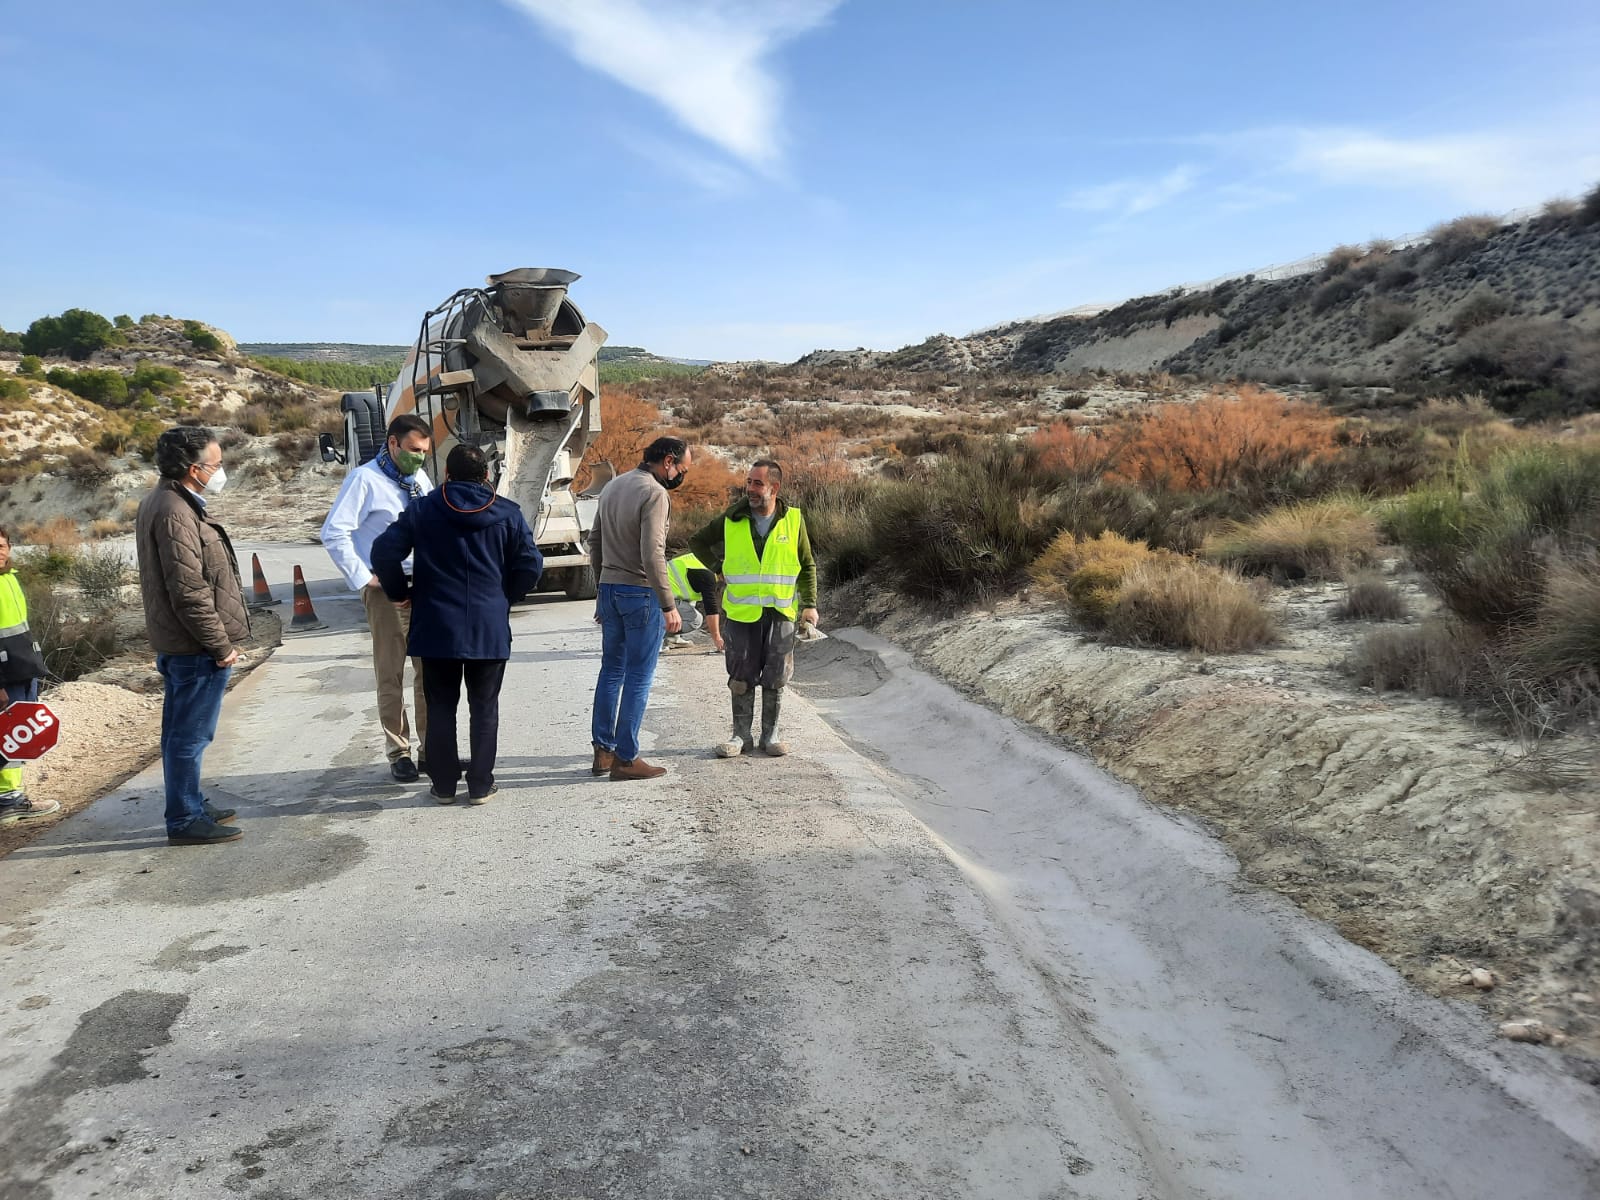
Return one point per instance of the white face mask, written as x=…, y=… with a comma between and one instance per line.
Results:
x=218, y=481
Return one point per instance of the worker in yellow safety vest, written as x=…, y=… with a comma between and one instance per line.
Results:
x=696, y=590
x=22, y=666
x=760, y=547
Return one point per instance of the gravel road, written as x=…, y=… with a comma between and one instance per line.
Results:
x=927, y=955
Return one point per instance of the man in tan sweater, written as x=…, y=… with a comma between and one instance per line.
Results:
x=635, y=606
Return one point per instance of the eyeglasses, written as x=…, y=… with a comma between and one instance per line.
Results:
x=213, y=468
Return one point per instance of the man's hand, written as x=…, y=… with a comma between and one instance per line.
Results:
x=373, y=582
x=716, y=640
x=233, y=657
x=406, y=603
x=674, y=621
x=808, y=616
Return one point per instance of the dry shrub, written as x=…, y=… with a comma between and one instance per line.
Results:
x=1320, y=539
x=709, y=485
x=1182, y=604
x=628, y=424
x=1086, y=574
x=1458, y=238
x=1340, y=259
x=816, y=458
x=1253, y=443
x=1387, y=320
x=1078, y=453
x=839, y=521
x=1370, y=598
x=1477, y=310
x=1563, y=638
x=58, y=533
x=107, y=527
x=295, y=448
x=101, y=575
x=254, y=420
x=968, y=527
x=1440, y=657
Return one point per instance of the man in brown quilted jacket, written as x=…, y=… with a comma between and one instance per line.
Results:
x=195, y=617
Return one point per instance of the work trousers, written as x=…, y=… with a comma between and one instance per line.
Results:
x=631, y=627
x=441, y=680
x=191, y=702
x=759, y=653
x=390, y=628
x=11, y=773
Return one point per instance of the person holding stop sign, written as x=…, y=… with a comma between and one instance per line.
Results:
x=21, y=668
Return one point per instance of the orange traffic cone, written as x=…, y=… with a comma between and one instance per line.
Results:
x=262, y=594
x=305, y=617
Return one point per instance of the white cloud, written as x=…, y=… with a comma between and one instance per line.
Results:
x=1494, y=170
x=709, y=174
x=704, y=61
x=1129, y=197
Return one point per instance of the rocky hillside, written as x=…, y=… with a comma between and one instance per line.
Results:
x=78, y=433
x=1512, y=310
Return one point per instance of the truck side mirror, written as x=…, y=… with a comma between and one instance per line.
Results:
x=326, y=445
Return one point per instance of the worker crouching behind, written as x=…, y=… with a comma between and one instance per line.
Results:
x=760, y=547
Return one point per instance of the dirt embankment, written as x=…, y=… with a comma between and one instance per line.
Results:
x=111, y=723
x=1419, y=835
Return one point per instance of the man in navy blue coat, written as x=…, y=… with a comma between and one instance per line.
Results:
x=473, y=556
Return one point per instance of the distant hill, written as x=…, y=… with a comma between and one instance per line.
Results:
x=334, y=352
x=1507, y=308
x=639, y=355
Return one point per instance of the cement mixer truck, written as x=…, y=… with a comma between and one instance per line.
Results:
x=511, y=368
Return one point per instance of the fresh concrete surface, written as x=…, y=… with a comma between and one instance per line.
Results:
x=925, y=955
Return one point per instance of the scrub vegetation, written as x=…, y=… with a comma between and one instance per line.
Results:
x=1170, y=515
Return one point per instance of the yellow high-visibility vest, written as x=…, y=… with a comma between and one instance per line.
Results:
x=766, y=582
x=678, y=570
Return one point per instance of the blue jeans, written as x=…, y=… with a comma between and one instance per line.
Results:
x=190, y=705
x=631, y=628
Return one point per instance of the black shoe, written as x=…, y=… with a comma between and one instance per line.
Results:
x=203, y=831
x=220, y=815
x=483, y=799
x=404, y=770
x=442, y=797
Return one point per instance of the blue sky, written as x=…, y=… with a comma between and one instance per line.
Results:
x=744, y=179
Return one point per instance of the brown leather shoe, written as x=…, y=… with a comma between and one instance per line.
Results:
x=603, y=760
x=637, y=769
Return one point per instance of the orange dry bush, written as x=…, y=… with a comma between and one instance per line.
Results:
x=1081, y=453
x=58, y=533
x=1248, y=443
x=813, y=458
x=709, y=484
x=628, y=424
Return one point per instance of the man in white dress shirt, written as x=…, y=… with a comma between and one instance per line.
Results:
x=373, y=496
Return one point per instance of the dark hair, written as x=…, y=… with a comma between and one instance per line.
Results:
x=5, y=534
x=772, y=467
x=180, y=447
x=466, y=464
x=664, y=448
x=410, y=423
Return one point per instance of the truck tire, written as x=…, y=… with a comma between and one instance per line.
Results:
x=581, y=583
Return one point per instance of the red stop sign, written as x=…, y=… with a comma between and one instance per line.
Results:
x=27, y=730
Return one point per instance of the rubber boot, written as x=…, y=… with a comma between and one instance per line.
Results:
x=771, y=701
x=744, y=715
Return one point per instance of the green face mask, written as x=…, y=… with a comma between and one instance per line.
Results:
x=408, y=461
